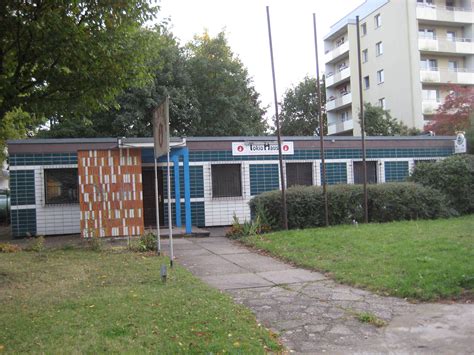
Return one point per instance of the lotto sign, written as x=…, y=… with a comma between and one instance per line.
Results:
x=261, y=148
x=161, y=129
x=460, y=144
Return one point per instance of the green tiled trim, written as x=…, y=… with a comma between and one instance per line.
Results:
x=303, y=154
x=22, y=187
x=396, y=171
x=23, y=222
x=336, y=173
x=197, y=214
x=196, y=181
x=263, y=177
x=42, y=159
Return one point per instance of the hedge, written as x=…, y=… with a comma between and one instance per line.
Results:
x=454, y=176
x=386, y=202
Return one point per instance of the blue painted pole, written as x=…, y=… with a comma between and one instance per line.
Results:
x=177, y=196
x=187, y=190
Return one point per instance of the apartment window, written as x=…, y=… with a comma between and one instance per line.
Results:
x=61, y=186
x=382, y=103
x=429, y=64
x=379, y=48
x=299, y=174
x=426, y=33
x=226, y=180
x=365, y=55
x=430, y=95
x=345, y=116
x=450, y=4
x=380, y=76
x=364, y=29
x=378, y=21
x=453, y=65
x=366, y=82
x=359, y=172
x=425, y=2
x=341, y=66
x=340, y=41
x=451, y=36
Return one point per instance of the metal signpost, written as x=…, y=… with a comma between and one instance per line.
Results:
x=161, y=139
x=277, y=123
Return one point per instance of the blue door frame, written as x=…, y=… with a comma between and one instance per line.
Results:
x=175, y=155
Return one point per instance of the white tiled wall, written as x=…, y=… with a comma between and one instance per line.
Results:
x=54, y=219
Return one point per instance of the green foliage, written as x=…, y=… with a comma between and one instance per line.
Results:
x=228, y=102
x=36, y=245
x=299, y=109
x=14, y=125
x=146, y=242
x=379, y=122
x=95, y=244
x=367, y=317
x=387, y=202
x=69, y=58
x=424, y=260
x=454, y=176
x=9, y=248
x=246, y=229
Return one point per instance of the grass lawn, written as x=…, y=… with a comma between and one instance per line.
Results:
x=79, y=301
x=425, y=260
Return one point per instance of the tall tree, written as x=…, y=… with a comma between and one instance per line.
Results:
x=68, y=58
x=132, y=114
x=379, y=122
x=228, y=102
x=299, y=109
x=456, y=112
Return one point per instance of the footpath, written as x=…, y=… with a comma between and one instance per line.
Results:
x=314, y=314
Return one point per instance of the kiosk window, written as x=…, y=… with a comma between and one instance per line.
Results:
x=60, y=186
x=226, y=180
x=299, y=174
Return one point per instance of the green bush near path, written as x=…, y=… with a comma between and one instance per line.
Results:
x=80, y=301
x=387, y=202
x=423, y=260
x=454, y=176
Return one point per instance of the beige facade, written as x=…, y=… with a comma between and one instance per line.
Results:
x=410, y=51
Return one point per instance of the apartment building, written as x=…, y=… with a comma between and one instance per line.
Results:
x=411, y=50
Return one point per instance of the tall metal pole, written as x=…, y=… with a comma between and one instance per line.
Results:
x=321, y=128
x=157, y=209
x=170, y=211
x=362, y=125
x=277, y=123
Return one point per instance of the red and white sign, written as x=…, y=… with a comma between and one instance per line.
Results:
x=261, y=148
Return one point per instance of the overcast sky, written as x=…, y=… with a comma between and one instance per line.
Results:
x=245, y=24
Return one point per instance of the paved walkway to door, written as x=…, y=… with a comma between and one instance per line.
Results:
x=313, y=314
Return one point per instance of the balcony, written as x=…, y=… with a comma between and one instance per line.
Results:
x=431, y=12
x=429, y=107
x=336, y=52
x=335, y=78
x=335, y=103
x=443, y=45
x=445, y=76
x=340, y=127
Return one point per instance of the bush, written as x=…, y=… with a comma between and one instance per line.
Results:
x=386, y=202
x=145, y=242
x=36, y=244
x=454, y=176
x=246, y=229
x=95, y=243
x=9, y=248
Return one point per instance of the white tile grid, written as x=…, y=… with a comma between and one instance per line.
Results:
x=54, y=219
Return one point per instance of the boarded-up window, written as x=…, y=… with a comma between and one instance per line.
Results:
x=226, y=180
x=371, y=172
x=60, y=186
x=299, y=174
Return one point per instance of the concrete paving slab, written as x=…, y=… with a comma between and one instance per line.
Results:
x=225, y=249
x=192, y=252
x=291, y=275
x=205, y=265
x=255, y=262
x=236, y=281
